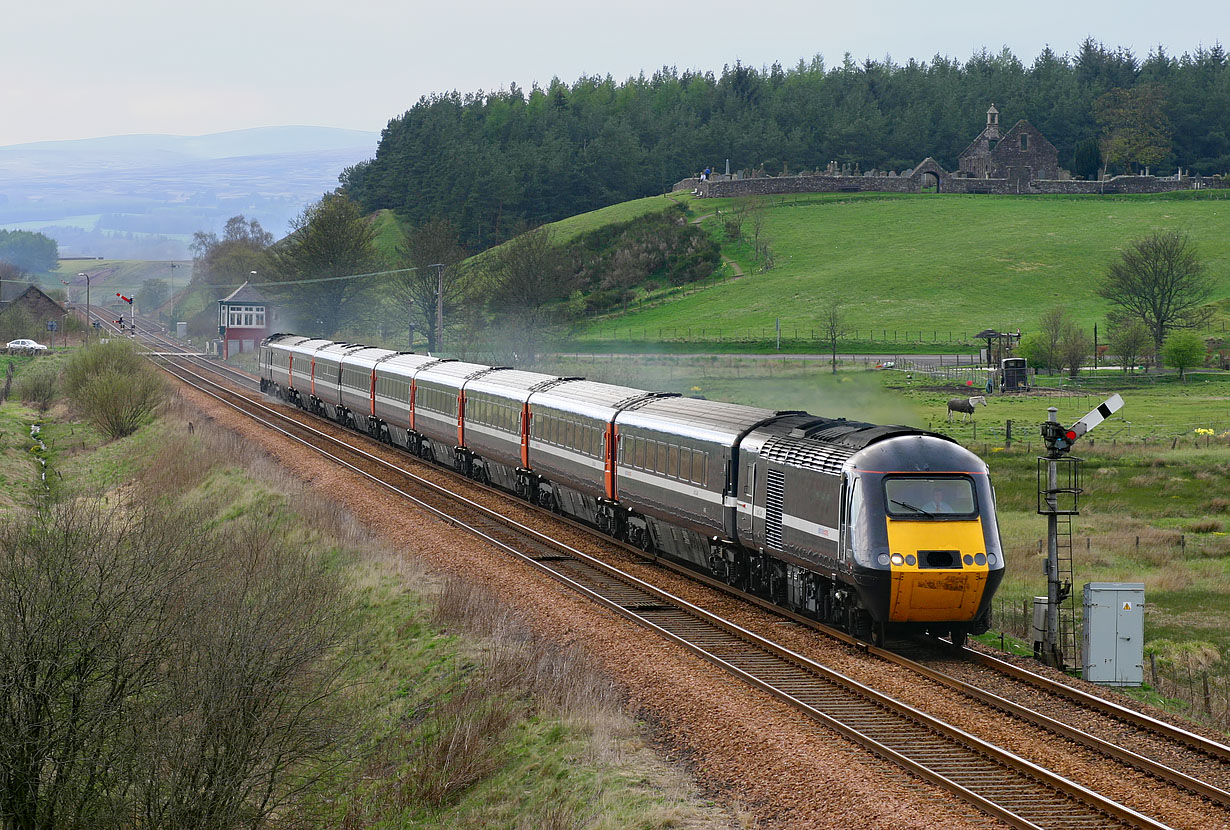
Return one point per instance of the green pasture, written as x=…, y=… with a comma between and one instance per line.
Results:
x=917, y=267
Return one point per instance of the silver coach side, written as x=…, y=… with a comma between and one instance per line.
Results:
x=570, y=424
x=495, y=408
x=438, y=406
x=394, y=382
x=677, y=463
x=358, y=378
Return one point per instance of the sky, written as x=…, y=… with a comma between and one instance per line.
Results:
x=84, y=68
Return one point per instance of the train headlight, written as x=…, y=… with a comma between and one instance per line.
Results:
x=980, y=558
x=992, y=559
x=898, y=559
x=910, y=559
x=882, y=559
x=967, y=559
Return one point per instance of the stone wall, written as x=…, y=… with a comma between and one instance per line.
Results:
x=771, y=185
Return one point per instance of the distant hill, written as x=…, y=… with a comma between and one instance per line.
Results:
x=142, y=196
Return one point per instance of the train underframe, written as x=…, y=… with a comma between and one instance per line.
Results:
x=802, y=590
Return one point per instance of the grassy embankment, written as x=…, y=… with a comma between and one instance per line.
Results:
x=917, y=272
x=455, y=715
x=1149, y=476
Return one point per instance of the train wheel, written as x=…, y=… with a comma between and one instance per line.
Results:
x=959, y=638
x=878, y=634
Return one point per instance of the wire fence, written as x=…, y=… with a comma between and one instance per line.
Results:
x=1204, y=693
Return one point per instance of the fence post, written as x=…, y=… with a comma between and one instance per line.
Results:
x=1008, y=433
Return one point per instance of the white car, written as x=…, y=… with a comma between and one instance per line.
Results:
x=26, y=344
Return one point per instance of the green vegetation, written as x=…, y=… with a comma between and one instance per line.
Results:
x=922, y=269
x=429, y=706
x=524, y=157
x=114, y=386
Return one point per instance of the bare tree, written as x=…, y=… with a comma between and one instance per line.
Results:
x=833, y=320
x=1160, y=281
x=526, y=275
x=1051, y=329
x=1075, y=344
x=1129, y=340
x=155, y=672
x=434, y=252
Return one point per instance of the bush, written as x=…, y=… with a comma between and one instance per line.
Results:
x=114, y=387
x=1184, y=350
x=37, y=385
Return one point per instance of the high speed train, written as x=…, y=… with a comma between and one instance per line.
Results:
x=877, y=529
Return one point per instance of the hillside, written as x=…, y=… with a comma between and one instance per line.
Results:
x=922, y=266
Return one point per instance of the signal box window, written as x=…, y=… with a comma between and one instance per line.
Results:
x=929, y=498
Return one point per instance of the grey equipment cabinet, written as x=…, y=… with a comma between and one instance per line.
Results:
x=1114, y=644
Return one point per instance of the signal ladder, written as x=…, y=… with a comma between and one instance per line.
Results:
x=1068, y=643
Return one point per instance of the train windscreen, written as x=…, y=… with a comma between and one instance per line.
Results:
x=916, y=497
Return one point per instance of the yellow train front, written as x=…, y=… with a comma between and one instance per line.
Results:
x=880, y=529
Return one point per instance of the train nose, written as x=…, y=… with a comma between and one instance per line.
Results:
x=939, y=570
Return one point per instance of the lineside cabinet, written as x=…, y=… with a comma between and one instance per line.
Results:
x=1114, y=633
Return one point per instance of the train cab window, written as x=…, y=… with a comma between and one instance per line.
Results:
x=916, y=497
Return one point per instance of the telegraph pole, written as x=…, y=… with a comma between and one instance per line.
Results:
x=439, y=266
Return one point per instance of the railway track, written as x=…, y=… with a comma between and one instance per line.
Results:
x=1020, y=793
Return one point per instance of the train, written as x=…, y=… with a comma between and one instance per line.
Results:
x=880, y=530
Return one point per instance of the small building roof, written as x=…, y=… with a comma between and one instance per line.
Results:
x=32, y=296
x=244, y=294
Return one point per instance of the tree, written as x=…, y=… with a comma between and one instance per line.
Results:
x=1129, y=340
x=1183, y=350
x=1051, y=329
x=152, y=294
x=526, y=275
x=433, y=251
x=330, y=243
x=231, y=259
x=1075, y=344
x=1160, y=281
x=1134, y=125
x=29, y=251
x=833, y=320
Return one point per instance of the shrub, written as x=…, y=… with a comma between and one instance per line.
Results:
x=115, y=388
x=37, y=386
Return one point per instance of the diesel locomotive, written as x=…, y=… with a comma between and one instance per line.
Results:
x=877, y=529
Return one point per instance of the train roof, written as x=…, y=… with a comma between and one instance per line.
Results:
x=706, y=420
x=590, y=398
x=368, y=356
x=453, y=373
x=514, y=383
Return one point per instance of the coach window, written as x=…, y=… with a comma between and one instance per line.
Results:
x=685, y=464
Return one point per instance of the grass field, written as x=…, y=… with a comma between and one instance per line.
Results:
x=917, y=267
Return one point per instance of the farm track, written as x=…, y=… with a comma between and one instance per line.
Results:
x=908, y=737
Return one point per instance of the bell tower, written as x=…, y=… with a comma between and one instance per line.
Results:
x=992, y=130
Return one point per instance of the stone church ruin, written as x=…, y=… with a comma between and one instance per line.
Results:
x=1019, y=161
